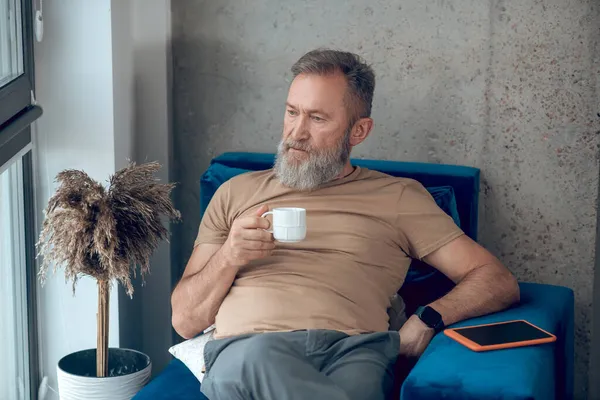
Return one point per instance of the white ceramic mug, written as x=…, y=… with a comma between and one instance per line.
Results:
x=289, y=224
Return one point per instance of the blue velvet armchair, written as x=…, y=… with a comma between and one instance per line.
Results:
x=447, y=370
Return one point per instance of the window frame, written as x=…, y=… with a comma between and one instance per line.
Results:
x=31, y=275
x=17, y=113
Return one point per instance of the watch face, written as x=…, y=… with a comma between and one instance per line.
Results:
x=430, y=317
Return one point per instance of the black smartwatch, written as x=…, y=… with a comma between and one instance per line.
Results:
x=431, y=318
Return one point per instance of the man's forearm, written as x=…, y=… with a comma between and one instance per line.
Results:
x=484, y=290
x=199, y=296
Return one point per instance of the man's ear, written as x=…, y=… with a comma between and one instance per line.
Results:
x=360, y=131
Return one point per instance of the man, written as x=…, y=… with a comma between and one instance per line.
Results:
x=309, y=320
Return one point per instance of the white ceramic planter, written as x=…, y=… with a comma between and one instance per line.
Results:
x=129, y=371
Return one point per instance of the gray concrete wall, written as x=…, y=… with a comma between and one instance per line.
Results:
x=507, y=86
x=145, y=319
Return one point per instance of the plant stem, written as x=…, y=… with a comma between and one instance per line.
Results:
x=102, y=337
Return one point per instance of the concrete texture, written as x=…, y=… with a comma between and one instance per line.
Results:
x=507, y=86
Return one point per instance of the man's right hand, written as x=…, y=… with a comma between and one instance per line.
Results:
x=248, y=240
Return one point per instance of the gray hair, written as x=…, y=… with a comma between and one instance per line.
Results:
x=359, y=75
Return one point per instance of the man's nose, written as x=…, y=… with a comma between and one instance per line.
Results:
x=300, y=130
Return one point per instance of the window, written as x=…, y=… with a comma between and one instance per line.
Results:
x=16, y=61
x=19, y=377
x=14, y=372
x=11, y=41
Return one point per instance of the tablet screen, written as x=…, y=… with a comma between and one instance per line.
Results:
x=509, y=332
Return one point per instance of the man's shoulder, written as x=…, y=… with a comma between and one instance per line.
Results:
x=251, y=178
x=387, y=179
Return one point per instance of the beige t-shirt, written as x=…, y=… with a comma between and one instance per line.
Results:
x=362, y=231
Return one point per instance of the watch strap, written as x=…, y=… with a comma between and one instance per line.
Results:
x=431, y=318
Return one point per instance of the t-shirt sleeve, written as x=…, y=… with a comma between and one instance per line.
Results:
x=214, y=227
x=423, y=226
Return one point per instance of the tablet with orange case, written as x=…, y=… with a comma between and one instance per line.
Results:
x=500, y=335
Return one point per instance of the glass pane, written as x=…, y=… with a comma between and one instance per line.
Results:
x=14, y=368
x=11, y=41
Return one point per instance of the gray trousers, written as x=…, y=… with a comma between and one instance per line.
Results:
x=313, y=364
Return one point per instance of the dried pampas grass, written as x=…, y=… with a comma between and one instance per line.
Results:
x=105, y=233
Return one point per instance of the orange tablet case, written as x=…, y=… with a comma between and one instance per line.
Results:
x=452, y=333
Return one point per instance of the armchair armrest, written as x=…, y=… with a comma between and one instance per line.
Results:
x=448, y=370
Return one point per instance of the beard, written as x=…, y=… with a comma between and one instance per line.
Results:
x=320, y=166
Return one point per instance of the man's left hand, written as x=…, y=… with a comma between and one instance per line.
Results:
x=414, y=337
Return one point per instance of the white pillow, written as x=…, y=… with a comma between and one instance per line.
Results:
x=191, y=352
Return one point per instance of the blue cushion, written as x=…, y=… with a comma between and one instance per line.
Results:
x=448, y=370
x=175, y=382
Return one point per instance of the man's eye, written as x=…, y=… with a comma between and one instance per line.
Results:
x=292, y=113
x=317, y=119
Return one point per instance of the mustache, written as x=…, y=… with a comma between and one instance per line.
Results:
x=297, y=145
